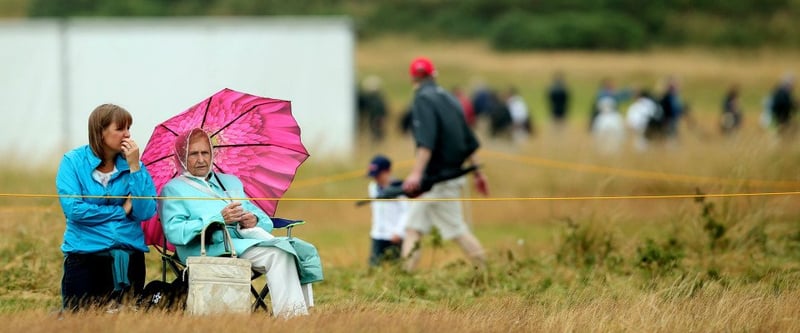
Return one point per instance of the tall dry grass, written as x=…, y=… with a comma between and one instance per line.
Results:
x=556, y=265
x=719, y=310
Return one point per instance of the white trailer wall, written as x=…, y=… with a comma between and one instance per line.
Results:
x=57, y=73
x=31, y=116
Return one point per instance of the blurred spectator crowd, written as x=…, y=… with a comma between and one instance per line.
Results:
x=650, y=117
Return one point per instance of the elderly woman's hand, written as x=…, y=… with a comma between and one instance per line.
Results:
x=232, y=213
x=249, y=220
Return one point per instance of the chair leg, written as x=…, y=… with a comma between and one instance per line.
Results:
x=263, y=296
x=163, y=269
x=260, y=296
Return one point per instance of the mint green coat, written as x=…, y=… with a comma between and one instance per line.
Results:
x=184, y=219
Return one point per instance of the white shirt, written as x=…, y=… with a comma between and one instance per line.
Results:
x=609, y=131
x=103, y=177
x=387, y=216
x=518, y=109
x=640, y=112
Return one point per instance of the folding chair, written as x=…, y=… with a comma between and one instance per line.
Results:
x=172, y=295
x=277, y=223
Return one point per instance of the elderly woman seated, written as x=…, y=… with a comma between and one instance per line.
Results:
x=290, y=265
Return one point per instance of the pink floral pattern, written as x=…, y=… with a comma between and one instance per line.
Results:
x=255, y=138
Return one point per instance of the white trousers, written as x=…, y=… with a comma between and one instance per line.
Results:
x=288, y=297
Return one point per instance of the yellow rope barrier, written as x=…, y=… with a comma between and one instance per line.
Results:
x=602, y=197
x=637, y=173
x=343, y=176
x=563, y=165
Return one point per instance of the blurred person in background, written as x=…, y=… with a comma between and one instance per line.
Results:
x=608, y=129
x=783, y=105
x=607, y=89
x=500, y=121
x=481, y=98
x=466, y=105
x=731, y=118
x=521, y=127
x=443, y=143
x=105, y=194
x=558, y=99
x=373, y=105
x=642, y=113
x=673, y=108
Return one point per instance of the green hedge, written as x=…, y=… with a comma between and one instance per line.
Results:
x=605, y=30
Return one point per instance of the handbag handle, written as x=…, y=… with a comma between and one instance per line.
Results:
x=226, y=239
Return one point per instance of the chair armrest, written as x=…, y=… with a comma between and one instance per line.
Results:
x=279, y=223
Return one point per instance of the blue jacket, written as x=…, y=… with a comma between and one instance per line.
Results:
x=100, y=224
x=184, y=219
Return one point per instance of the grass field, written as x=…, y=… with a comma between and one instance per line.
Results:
x=560, y=260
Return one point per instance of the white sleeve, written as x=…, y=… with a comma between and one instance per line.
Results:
x=373, y=190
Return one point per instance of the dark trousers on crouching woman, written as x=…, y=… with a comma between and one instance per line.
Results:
x=88, y=280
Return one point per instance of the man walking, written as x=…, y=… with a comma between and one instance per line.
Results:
x=443, y=143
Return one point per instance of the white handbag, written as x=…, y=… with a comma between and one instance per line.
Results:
x=218, y=284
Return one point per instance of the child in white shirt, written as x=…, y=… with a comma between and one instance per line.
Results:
x=388, y=225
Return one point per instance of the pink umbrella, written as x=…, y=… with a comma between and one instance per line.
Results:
x=254, y=138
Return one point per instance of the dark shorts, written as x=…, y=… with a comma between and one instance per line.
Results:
x=383, y=250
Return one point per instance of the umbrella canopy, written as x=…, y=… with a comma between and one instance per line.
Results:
x=254, y=138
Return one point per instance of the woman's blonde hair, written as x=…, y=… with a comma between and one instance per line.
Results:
x=103, y=116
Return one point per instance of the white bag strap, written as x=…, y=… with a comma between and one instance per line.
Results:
x=201, y=188
x=227, y=240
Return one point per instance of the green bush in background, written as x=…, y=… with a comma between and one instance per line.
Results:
x=592, y=31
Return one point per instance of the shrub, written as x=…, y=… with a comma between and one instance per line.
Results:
x=659, y=258
x=713, y=227
x=603, y=30
x=585, y=247
x=741, y=35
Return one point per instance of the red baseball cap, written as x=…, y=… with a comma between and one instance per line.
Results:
x=421, y=67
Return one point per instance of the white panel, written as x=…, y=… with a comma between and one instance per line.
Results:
x=157, y=68
x=30, y=90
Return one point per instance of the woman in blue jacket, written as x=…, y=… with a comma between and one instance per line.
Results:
x=100, y=185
